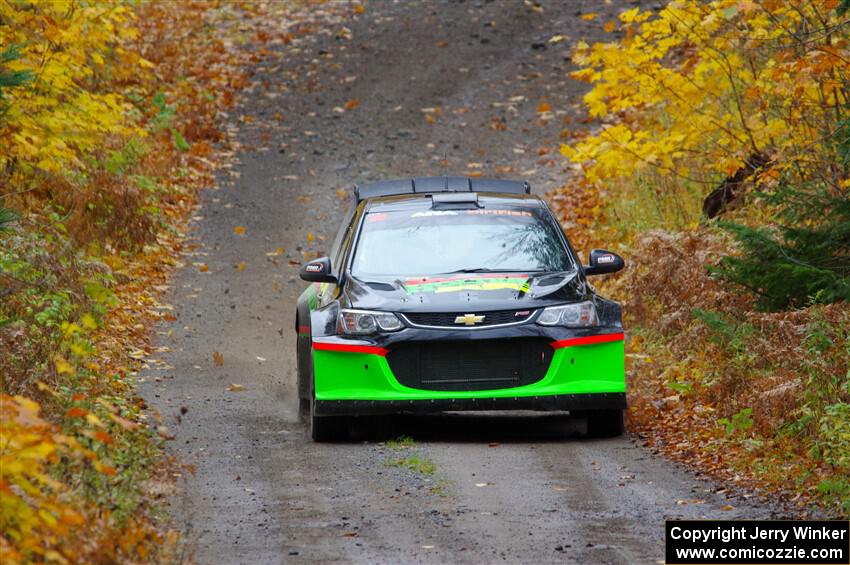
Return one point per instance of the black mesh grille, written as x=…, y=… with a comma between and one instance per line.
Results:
x=470, y=365
x=447, y=319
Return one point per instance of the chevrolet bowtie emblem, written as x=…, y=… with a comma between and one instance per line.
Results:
x=469, y=319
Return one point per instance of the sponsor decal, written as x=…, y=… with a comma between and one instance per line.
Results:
x=587, y=340
x=313, y=267
x=349, y=348
x=469, y=319
x=491, y=212
x=466, y=282
x=605, y=259
x=379, y=217
x=522, y=313
x=312, y=299
x=314, y=291
x=430, y=213
x=478, y=212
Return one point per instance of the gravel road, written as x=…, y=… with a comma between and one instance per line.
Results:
x=443, y=86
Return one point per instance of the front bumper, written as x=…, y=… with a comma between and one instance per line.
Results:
x=586, y=373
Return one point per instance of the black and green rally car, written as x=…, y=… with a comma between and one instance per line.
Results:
x=450, y=294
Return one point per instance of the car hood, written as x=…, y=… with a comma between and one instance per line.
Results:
x=474, y=292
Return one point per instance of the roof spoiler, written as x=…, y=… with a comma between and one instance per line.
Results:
x=430, y=185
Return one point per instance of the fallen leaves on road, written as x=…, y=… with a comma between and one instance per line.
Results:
x=498, y=124
x=218, y=359
x=235, y=387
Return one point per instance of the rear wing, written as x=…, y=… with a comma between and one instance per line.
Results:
x=430, y=185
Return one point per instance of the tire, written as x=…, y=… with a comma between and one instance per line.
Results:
x=323, y=428
x=328, y=428
x=303, y=409
x=605, y=423
x=304, y=403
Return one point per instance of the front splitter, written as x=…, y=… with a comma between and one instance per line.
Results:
x=560, y=402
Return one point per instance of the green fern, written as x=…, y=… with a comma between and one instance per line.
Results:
x=10, y=79
x=6, y=218
x=805, y=260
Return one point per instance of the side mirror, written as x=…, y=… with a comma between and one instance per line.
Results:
x=602, y=262
x=318, y=270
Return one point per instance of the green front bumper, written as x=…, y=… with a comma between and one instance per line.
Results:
x=595, y=369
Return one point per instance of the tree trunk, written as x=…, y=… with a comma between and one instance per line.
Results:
x=733, y=187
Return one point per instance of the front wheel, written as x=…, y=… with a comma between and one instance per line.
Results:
x=605, y=423
x=303, y=409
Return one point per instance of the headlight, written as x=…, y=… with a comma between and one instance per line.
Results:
x=364, y=322
x=579, y=315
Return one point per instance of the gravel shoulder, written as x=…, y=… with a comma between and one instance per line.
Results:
x=454, y=86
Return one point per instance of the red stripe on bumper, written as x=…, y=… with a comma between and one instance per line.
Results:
x=604, y=338
x=346, y=348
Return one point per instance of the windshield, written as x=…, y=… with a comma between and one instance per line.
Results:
x=430, y=242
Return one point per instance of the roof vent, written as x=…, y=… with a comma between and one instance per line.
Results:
x=455, y=201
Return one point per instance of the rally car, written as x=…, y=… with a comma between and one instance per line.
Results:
x=450, y=294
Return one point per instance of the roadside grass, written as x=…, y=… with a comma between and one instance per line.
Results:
x=415, y=462
x=408, y=456
x=401, y=443
x=441, y=488
x=89, y=232
x=61, y=348
x=760, y=399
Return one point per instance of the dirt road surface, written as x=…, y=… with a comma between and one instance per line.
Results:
x=457, y=80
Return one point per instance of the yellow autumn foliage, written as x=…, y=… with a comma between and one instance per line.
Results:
x=79, y=87
x=67, y=60
x=35, y=509
x=712, y=99
x=697, y=89
x=68, y=49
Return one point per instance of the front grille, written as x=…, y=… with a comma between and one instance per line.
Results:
x=447, y=319
x=470, y=364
